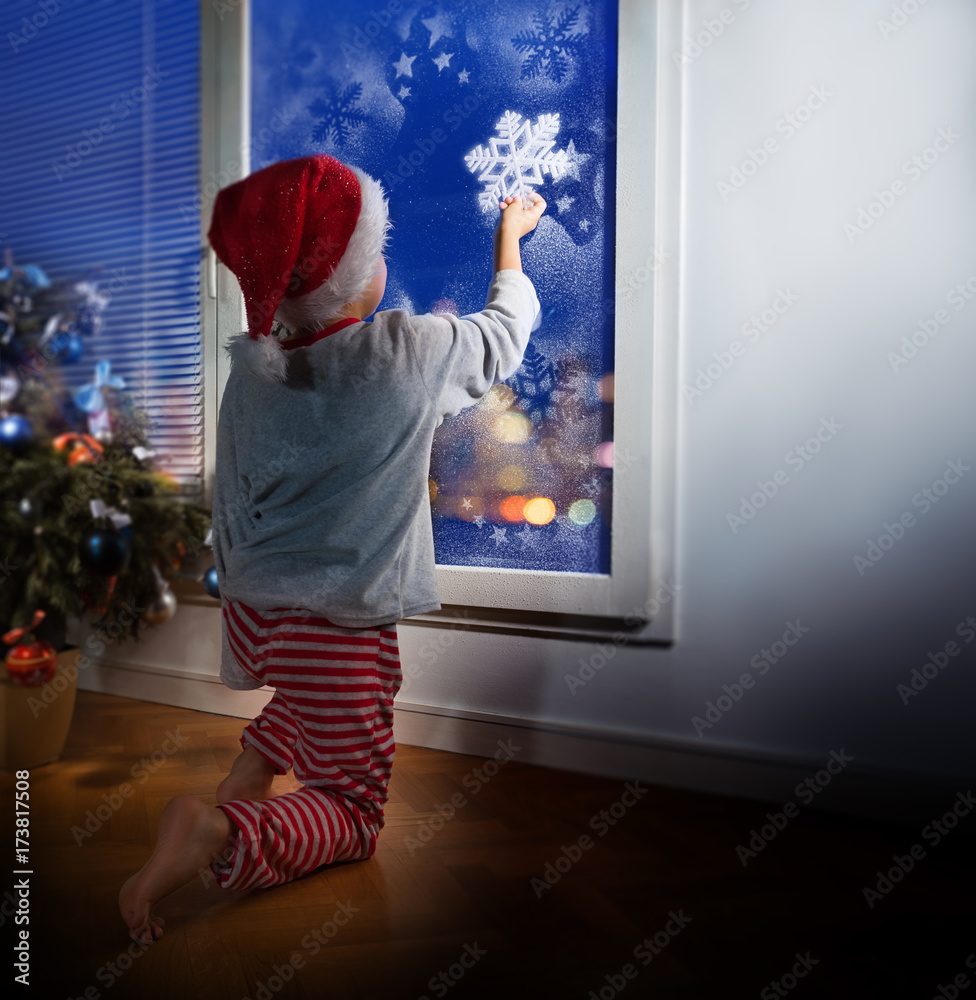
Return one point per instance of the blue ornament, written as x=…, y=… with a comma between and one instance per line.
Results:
x=210, y=584
x=71, y=349
x=105, y=552
x=15, y=432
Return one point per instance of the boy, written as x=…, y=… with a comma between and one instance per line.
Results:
x=322, y=531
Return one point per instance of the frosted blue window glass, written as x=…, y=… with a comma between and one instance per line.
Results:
x=98, y=181
x=449, y=105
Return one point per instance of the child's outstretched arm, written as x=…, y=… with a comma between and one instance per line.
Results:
x=460, y=358
x=515, y=222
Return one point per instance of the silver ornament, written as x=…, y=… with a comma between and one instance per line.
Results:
x=162, y=608
x=25, y=508
x=9, y=386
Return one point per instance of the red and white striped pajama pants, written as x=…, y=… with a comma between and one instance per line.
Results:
x=331, y=718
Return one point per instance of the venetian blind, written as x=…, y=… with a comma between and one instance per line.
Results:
x=97, y=182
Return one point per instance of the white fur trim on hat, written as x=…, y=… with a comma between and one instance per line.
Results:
x=355, y=270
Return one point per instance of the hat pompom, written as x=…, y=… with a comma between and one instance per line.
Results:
x=259, y=356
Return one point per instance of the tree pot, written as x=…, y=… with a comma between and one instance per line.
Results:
x=36, y=720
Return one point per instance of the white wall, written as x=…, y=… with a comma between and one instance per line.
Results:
x=827, y=358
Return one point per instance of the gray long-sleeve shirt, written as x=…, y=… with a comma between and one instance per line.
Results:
x=320, y=495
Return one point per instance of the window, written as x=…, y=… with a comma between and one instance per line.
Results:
x=98, y=184
x=546, y=495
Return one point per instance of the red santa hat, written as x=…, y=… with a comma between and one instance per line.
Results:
x=302, y=237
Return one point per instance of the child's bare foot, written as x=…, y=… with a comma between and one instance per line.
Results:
x=250, y=778
x=190, y=833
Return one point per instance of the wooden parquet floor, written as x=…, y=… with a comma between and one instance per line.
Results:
x=449, y=909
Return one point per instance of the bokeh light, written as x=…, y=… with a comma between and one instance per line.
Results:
x=511, y=478
x=604, y=388
x=431, y=489
x=603, y=455
x=539, y=510
x=499, y=397
x=511, y=508
x=582, y=512
x=513, y=428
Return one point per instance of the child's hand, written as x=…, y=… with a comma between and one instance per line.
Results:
x=514, y=223
x=519, y=220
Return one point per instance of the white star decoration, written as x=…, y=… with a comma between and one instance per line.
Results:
x=527, y=535
x=466, y=503
x=439, y=27
x=479, y=521
x=585, y=225
x=464, y=76
x=576, y=160
x=405, y=66
x=403, y=92
x=443, y=60
x=498, y=535
x=564, y=203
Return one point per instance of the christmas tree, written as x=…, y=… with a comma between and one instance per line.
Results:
x=89, y=526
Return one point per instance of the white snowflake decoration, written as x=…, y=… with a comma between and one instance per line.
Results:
x=550, y=46
x=515, y=160
x=336, y=115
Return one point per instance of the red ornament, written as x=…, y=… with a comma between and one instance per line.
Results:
x=32, y=664
x=80, y=448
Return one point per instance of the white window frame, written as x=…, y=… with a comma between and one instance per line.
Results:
x=637, y=596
